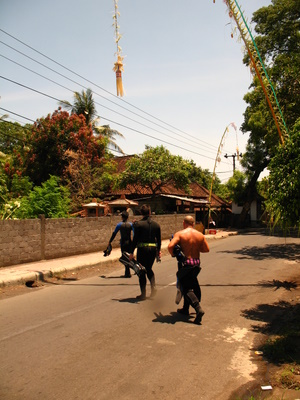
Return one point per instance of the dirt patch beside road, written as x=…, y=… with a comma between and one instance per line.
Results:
x=277, y=348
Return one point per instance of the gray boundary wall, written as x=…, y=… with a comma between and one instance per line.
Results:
x=23, y=241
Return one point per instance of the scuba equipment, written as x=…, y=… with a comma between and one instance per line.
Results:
x=177, y=252
x=133, y=264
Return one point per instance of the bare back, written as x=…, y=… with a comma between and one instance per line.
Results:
x=191, y=242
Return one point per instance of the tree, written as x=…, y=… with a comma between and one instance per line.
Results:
x=236, y=186
x=49, y=141
x=85, y=181
x=203, y=177
x=110, y=135
x=50, y=199
x=12, y=136
x=277, y=27
x=154, y=169
x=283, y=203
x=84, y=104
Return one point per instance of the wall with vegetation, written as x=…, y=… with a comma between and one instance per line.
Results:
x=23, y=241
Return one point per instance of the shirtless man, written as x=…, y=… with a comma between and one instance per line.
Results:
x=192, y=243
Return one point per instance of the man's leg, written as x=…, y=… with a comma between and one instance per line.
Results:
x=196, y=305
x=152, y=284
x=142, y=281
x=127, y=269
x=141, y=259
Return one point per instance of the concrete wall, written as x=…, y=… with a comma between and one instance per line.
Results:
x=23, y=241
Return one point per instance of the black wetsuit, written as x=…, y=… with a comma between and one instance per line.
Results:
x=147, y=239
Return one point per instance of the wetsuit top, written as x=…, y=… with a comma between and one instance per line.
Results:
x=125, y=229
x=146, y=232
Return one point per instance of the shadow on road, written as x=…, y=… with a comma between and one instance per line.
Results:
x=281, y=322
x=289, y=251
x=172, y=318
x=276, y=284
x=276, y=232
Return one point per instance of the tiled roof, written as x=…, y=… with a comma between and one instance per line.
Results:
x=197, y=191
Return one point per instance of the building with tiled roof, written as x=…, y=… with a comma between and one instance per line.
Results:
x=170, y=199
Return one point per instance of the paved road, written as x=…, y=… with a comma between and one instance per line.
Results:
x=90, y=339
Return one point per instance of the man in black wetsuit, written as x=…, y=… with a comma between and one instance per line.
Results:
x=147, y=240
x=125, y=229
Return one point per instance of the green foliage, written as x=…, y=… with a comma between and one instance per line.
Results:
x=12, y=137
x=85, y=181
x=277, y=37
x=155, y=168
x=222, y=191
x=110, y=135
x=20, y=186
x=4, y=193
x=236, y=186
x=263, y=187
x=49, y=199
x=278, y=29
x=283, y=204
x=83, y=105
x=203, y=177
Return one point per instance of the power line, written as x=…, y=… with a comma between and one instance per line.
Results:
x=106, y=91
x=51, y=80
x=119, y=99
x=124, y=126
x=26, y=128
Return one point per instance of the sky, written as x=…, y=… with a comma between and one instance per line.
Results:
x=184, y=77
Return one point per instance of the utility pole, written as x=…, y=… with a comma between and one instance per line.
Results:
x=233, y=158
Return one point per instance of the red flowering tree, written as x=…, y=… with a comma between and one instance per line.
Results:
x=53, y=138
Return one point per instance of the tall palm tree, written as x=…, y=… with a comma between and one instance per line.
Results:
x=84, y=104
x=110, y=134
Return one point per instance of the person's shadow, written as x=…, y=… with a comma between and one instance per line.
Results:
x=172, y=318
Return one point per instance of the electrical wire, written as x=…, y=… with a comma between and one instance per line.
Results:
x=24, y=140
x=64, y=87
x=120, y=99
x=117, y=123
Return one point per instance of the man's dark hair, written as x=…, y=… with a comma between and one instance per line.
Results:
x=145, y=210
x=124, y=215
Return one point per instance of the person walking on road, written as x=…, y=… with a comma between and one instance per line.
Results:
x=191, y=243
x=125, y=228
x=147, y=240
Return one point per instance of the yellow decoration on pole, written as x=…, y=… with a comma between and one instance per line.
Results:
x=257, y=65
x=218, y=159
x=118, y=68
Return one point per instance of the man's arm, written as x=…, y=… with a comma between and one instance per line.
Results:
x=204, y=246
x=117, y=228
x=135, y=230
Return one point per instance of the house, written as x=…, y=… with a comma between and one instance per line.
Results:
x=172, y=200
x=255, y=213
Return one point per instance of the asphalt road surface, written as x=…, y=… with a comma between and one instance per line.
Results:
x=91, y=339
